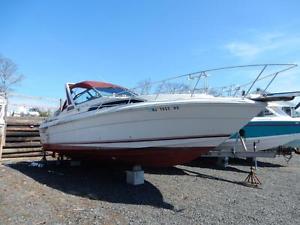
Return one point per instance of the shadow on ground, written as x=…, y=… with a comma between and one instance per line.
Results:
x=184, y=171
x=211, y=163
x=94, y=182
x=242, y=183
x=245, y=162
x=170, y=171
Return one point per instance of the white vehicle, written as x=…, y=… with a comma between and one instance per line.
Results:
x=33, y=112
x=22, y=111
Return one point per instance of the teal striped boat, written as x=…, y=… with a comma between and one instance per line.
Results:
x=270, y=129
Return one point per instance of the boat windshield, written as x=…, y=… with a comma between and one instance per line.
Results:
x=288, y=110
x=278, y=111
x=81, y=95
x=114, y=91
x=296, y=114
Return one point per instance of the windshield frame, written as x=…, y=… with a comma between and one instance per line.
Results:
x=98, y=92
x=114, y=92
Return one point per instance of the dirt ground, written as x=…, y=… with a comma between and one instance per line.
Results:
x=200, y=193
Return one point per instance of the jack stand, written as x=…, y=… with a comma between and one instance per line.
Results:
x=44, y=159
x=135, y=176
x=252, y=178
x=59, y=160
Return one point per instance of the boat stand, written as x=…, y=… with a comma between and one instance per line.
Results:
x=254, y=158
x=59, y=159
x=135, y=176
x=252, y=179
x=44, y=158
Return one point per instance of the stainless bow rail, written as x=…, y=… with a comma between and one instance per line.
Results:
x=233, y=90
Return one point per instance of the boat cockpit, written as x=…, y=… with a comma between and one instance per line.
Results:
x=273, y=111
x=94, y=95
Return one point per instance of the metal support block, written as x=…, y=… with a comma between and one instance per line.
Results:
x=254, y=162
x=223, y=162
x=135, y=176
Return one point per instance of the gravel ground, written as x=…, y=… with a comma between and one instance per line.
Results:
x=196, y=194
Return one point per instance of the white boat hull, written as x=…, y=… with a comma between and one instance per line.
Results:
x=157, y=133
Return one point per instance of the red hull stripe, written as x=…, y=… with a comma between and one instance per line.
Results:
x=153, y=156
x=151, y=139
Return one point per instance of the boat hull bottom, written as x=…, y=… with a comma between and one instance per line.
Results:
x=151, y=156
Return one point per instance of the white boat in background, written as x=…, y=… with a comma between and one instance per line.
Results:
x=270, y=129
x=108, y=122
x=292, y=110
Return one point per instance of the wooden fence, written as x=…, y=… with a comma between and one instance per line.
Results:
x=22, y=137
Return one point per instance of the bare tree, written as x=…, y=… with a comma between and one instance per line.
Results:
x=172, y=88
x=9, y=76
x=145, y=86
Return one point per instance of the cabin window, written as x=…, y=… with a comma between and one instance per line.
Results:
x=81, y=95
x=296, y=114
